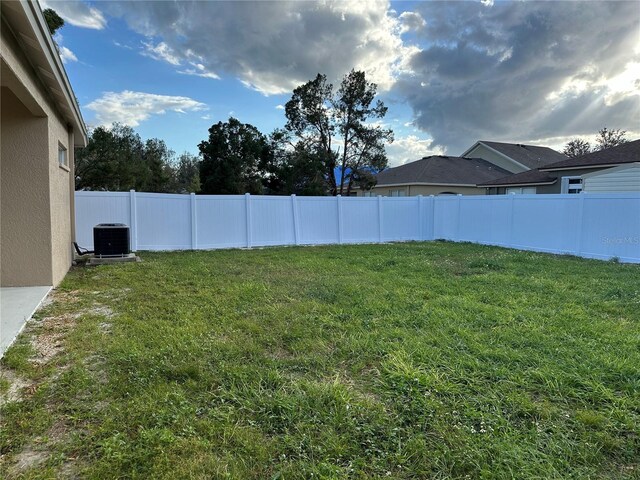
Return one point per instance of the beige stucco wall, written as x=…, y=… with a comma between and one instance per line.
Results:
x=25, y=258
x=414, y=190
x=37, y=194
x=480, y=151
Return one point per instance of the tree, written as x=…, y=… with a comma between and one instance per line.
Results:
x=157, y=157
x=231, y=158
x=54, y=21
x=576, y=148
x=609, y=138
x=112, y=160
x=116, y=159
x=291, y=170
x=339, y=128
x=186, y=174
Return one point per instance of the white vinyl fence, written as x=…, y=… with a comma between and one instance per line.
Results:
x=589, y=225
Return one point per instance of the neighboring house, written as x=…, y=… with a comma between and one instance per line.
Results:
x=40, y=126
x=435, y=175
x=514, y=157
x=611, y=170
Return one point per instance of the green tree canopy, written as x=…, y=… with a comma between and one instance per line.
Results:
x=339, y=128
x=576, y=148
x=116, y=159
x=232, y=159
x=54, y=21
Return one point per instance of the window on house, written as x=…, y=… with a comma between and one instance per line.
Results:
x=63, y=159
x=521, y=190
x=397, y=193
x=571, y=185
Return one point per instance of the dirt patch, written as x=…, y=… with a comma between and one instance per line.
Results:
x=17, y=386
x=49, y=342
x=28, y=458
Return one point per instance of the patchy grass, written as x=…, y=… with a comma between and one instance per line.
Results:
x=419, y=360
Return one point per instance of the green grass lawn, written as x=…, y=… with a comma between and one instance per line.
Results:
x=417, y=360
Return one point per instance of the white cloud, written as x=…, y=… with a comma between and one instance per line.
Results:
x=199, y=70
x=77, y=13
x=66, y=55
x=282, y=45
x=411, y=21
x=161, y=51
x=410, y=148
x=279, y=107
x=131, y=108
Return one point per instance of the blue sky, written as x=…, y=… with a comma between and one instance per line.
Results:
x=451, y=73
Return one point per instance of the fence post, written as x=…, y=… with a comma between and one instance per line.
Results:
x=379, y=218
x=433, y=217
x=512, y=199
x=420, y=219
x=194, y=225
x=134, y=220
x=457, y=239
x=247, y=203
x=296, y=227
x=580, y=228
x=339, y=204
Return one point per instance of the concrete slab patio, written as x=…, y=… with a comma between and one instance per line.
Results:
x=17, y=305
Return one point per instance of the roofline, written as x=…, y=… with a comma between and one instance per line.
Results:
x=33, y=13
x=604, y=171
x=497, y=152
x=480, y=185
x=424, y=184
x=584, y=167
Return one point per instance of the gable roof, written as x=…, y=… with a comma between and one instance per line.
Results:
x=628, y=152
x=441, y=170
x=529, y=156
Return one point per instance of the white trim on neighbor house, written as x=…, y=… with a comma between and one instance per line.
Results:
x=519, y=184
x=507, y=157
x=43, y=55
x=385, y=185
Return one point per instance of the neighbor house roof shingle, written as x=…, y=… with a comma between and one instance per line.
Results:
x=441, y=170
x=528, y=155
x=628, y=152
x=530, y=177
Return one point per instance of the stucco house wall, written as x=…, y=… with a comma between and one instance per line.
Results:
x=37, y=193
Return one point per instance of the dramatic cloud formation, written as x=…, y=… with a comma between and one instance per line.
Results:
x=131, y=108
x=77, y=13
x=272, y=47
x=524, y=71
x=410, y=148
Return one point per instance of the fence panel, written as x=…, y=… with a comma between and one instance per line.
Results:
x=163, y=221
x=360, y=220
x=318, y=220
x=93, y=208
x=220, y=221
x=400, y=220
x=591, y=225
x=271, y=221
